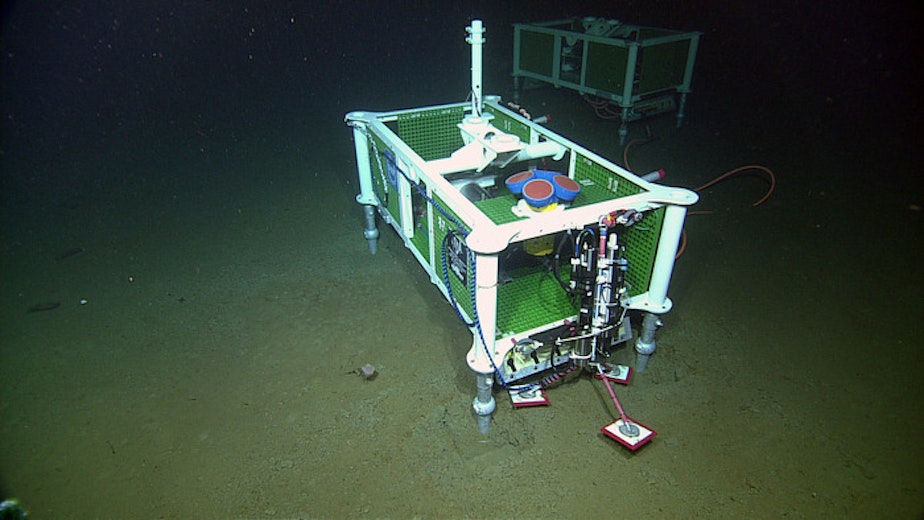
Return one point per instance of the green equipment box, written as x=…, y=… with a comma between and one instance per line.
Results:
x=641, y=71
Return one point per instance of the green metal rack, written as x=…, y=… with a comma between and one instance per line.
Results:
x=643, y=71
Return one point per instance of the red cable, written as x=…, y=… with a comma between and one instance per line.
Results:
x=770, y=176
x=622, y=414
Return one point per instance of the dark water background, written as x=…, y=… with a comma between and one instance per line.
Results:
x=194, y=155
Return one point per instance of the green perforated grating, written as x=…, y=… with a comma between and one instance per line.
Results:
x=531, y=300
x=606, y=67
x=498, y=208
x=379, y=164
x=432, y=133
x=536, y=50
x=641, y=239
x=460, y=289
x=587, y=169
x=641, y=247
x=510, y=125
x=665, y=65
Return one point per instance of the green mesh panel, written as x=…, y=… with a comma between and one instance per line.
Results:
x=536, y=52
x=510, y=125
x=385, y=173
x=642, y=238
x=441, y=227
x=587, y=169
x=641, y=247
x=531, y=300
x=606, y=67
x=432, y=133
x=498, y=208
x=379, y=164
x=663, y=66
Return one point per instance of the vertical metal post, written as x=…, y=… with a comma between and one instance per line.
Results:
x=366, y=195
x=517, y=79
x=681, y=107
x=671, y=229
x=627, y=91
x=476, y=39
x=645, y=345
x=481, y=356
x=687, y=77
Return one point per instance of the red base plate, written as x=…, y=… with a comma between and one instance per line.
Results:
x=535, y=397
x=616, y=373
x=645, y=434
